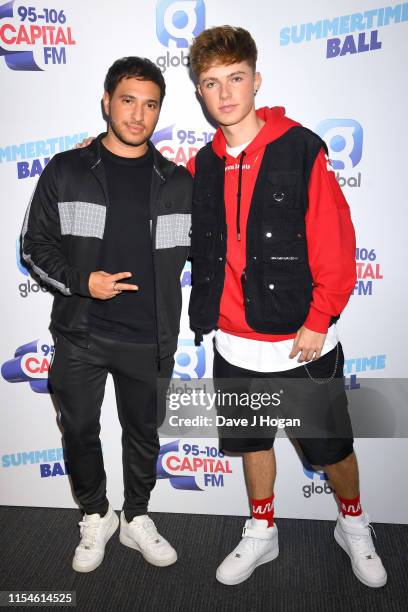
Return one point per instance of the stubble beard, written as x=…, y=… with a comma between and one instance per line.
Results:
x=137, y=142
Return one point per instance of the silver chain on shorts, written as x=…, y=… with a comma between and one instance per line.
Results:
x=325, y=380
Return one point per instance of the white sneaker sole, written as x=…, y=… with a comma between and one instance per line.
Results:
x=80, y=567
x=375, y=585
x=270, y=556
x=126, y=541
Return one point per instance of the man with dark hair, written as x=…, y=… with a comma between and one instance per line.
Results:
x=273, y=264
x=108, y=230
x=140, y=68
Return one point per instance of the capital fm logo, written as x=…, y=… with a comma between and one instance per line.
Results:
x=180, y=144
x=31, y=363
x=344, y=139
x=192, y=467
x=369, y=271
x=177, y=23
x=190, y=361
x=34, y=37
x=313, y=488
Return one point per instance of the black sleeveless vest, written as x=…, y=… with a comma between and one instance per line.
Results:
x=277, y=283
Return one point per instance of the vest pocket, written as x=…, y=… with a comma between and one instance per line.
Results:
x=207, y=284
x=286, y=299
x=283, y=254
x=202, y=275
x=203, y=241
x=202, y=290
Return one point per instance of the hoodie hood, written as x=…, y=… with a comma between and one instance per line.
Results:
x=276, y=124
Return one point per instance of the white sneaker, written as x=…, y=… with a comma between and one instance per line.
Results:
x=356, y=541
x=259, y=545
x=95, y=532
x=142, y=535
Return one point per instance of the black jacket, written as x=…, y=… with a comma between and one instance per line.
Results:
x=277, y=283
x=64, y=227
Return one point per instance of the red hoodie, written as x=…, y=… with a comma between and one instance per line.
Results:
x=329, y=233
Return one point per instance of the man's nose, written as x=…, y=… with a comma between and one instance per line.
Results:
x=225, y=91
x=137, y=112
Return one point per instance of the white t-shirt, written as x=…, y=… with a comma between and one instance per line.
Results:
x=261, y=355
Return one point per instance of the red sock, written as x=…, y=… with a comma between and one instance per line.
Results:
x=350, y=507
x=263, y=509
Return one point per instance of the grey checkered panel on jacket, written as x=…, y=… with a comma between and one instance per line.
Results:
x=172, y=230
x=82, y=219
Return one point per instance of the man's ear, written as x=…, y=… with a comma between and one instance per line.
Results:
x=257, y=81
x=200, y=93
x=106, y=103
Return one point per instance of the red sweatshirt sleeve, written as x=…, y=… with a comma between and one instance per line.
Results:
x=331, y=245
x=191, y=166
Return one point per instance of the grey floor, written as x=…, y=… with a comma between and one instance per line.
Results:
x=311, y=572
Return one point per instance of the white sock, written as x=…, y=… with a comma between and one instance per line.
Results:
x=356, y=520
x=259, y=523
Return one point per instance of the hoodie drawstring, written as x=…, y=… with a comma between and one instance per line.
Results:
x=241, y=160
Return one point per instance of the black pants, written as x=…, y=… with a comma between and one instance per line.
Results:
x=324, y=408
x=77, y=379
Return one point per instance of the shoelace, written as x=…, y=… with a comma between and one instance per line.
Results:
x=89, y=531
x=363, y=544
x=147, y=529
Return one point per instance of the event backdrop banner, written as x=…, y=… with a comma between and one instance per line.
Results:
x=338, y=69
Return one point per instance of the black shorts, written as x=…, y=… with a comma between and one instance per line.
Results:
x=324, y=407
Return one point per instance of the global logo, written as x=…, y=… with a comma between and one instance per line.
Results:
x=185, y=279
x=311, y=473
x=192, y=467
x=32, y=37
x=31, y=363
x=29, y=286
x=344, y=138
x=177, y=23
x=315, y=489
x=190, y=362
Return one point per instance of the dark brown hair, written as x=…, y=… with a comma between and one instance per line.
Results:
x=222, y=45
x=139, y=67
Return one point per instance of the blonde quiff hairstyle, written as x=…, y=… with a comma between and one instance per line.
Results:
x=222, y=45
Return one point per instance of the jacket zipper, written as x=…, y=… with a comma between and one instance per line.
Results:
x=102, y=182
x=243, y=281
x=238, y=218
x=153, y=242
